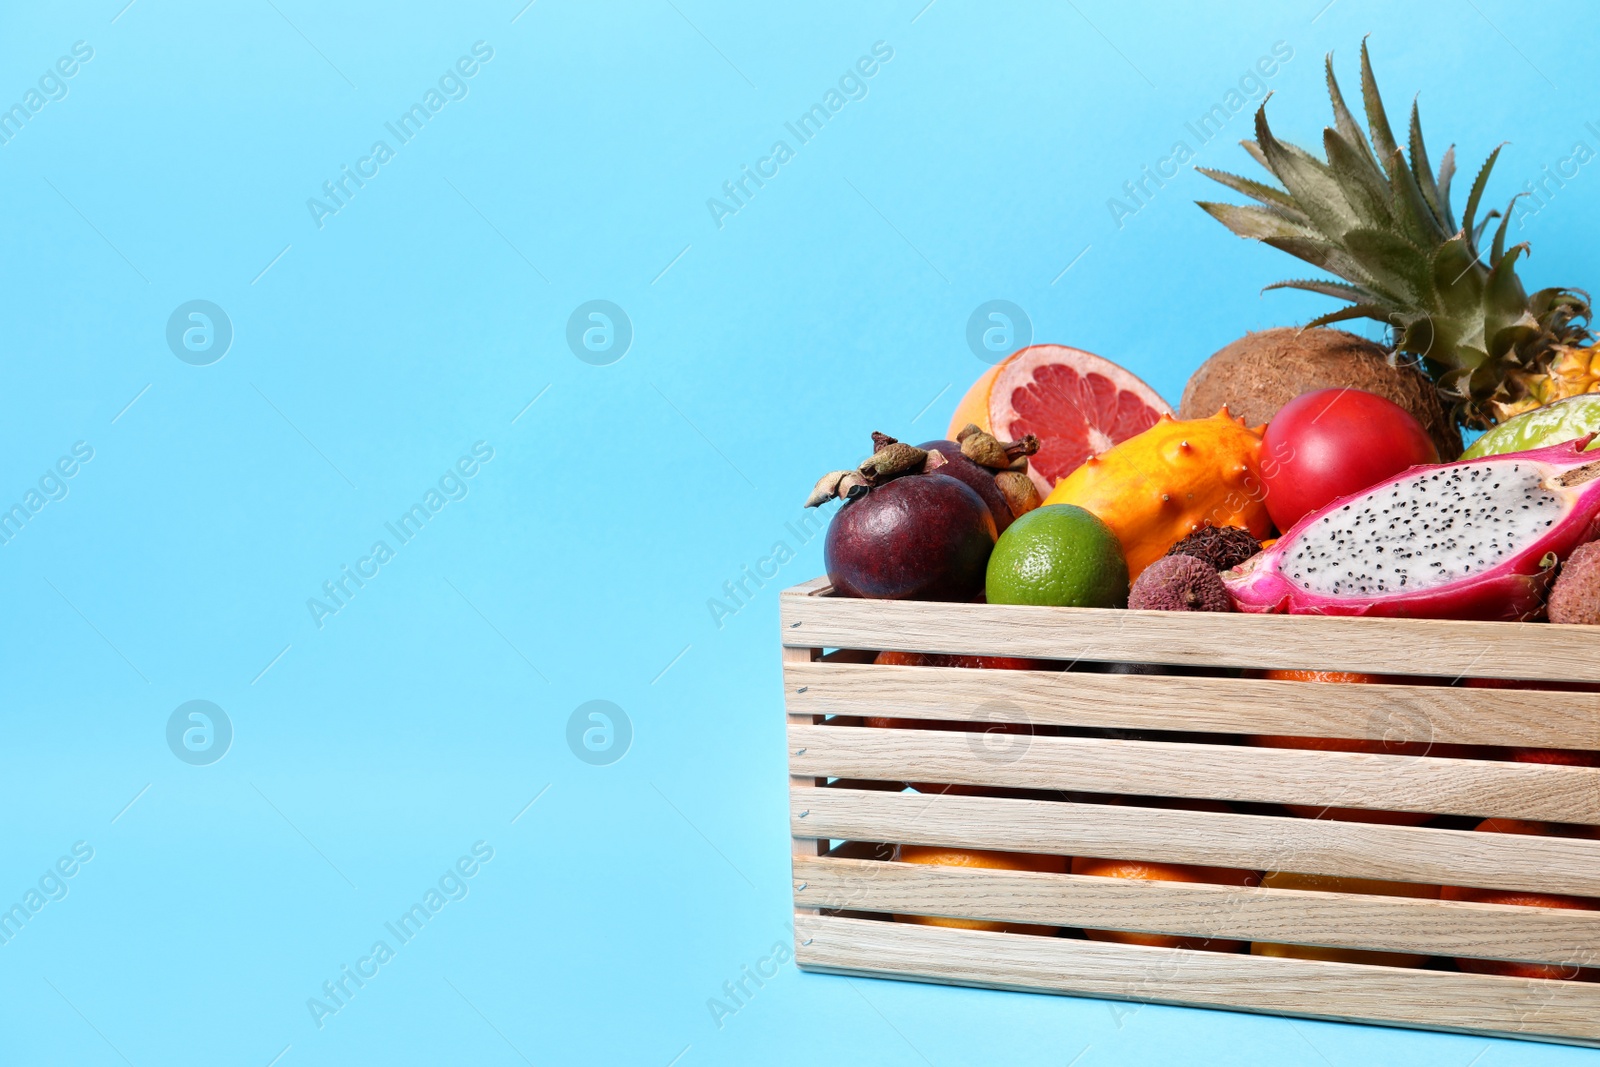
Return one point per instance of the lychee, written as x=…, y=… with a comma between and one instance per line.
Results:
x=1179, y=583
x=1576, y=595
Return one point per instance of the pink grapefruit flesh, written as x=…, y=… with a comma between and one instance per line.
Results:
x=1076, y=402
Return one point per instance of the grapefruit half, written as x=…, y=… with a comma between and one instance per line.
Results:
x=1077, y=403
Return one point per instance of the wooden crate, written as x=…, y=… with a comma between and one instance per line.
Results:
x=847, y=802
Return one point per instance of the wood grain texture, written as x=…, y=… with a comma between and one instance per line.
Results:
x=1452, y=649
x=1340, y=920
x=802, y=846
x=1482, y=788
x=1437, y=714
x=1512, y=1007
x=1254, y=842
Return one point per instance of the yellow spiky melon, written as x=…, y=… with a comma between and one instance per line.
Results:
x=1156, y=488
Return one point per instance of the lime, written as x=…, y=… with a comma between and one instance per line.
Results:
x=1565, y=420
x=1059, y=555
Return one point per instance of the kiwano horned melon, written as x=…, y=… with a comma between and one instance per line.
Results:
x=1160, y=486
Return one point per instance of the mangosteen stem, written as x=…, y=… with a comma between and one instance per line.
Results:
x=1027, y=446
x=826, y=489
x=893, y=460
x=986, y=450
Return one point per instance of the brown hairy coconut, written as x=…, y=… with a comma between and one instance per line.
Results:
x=1260, y=372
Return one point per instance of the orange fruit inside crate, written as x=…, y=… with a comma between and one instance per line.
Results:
x=1150, y=871
x=935, y=659
x=1374, y=746
x=1560, y=972
x=1330, y=884
x=970, y=857
x=1164, y=872
x=930, y=659
x=1563, y=756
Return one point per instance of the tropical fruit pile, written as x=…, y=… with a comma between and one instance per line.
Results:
x=1305, y=471
x=1065, y=478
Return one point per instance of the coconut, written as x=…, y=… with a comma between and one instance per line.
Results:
x=1260, y=372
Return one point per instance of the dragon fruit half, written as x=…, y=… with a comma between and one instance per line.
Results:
x=1473, y=540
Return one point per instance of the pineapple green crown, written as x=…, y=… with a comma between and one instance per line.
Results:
x=1385, y=225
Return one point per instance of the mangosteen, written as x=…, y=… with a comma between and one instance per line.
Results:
x=996, y=470
x=979, y=479
x=903, y=532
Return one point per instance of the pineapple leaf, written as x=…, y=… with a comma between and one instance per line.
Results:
x=1415, y=336
x=1504, y=299
x=1255, y=190
x=1512, y=338
x=1458, y=383
x=1477, y=193
x=1421, y=169
x=1327, y=256
x=1563, y=312
x=1447, y=170
x=1394, y=263
x=1256, y=223
x=1356, y=294
x=1377, y=121
x=1499, y=247
x=1363, y=186
x=1483, y=224
x=1308, y=180
x=1375, y=312
x=1346, y=123
x=1261, y=157
x=1416, y=218
x=1488, y=380
x=1458, y=281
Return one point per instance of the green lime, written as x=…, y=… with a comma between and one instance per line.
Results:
x=1058, y=555
x=1565, y=420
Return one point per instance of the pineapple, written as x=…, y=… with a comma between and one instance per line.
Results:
x=1385, y=226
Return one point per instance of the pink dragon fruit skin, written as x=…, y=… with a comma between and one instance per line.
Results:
x=1494, y=526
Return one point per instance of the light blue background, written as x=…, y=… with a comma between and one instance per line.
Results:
x=424, y=317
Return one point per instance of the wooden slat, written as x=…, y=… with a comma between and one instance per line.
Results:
x=1512, y=1007
x=1209, y=705
x=1254, y=842
x=1398, y=646
x=818, y=586
x=1483, y=788
x=1339, y=920
x=802, y=847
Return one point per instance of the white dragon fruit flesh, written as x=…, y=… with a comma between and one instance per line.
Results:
x=1468, y=540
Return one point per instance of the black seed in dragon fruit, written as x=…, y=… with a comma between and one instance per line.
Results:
x=1473, y=540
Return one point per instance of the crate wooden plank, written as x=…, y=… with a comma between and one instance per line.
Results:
x=1340, y=920
x=1483, y=788
x=1208, y=705
x=800, y=846
x=1255, y=842
x=818, y=586
x=1512, y=1007
x=1392, y=646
